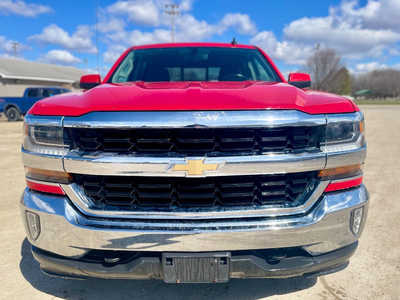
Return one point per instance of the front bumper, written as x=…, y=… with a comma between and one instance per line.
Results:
x=66, y=232
x=247, y=264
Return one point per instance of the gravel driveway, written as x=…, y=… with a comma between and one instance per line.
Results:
x=374, y=272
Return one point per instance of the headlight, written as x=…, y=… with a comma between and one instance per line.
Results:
x=44, y=139
x=46, y=135
x=344, y=132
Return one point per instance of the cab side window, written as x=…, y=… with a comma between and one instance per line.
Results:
x=33, y=93
x=46, y=93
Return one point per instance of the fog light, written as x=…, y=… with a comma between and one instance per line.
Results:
x=356, y=219
x=33, y=222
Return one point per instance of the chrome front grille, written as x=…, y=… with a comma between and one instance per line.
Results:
x=172, y=193
x=209, y=142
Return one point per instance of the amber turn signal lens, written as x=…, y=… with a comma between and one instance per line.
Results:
x=340, y=171
x=362, y=126
x=47, y=175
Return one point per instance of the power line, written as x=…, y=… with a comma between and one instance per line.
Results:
x=173, y=11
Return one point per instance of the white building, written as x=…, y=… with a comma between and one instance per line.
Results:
x=17, y=74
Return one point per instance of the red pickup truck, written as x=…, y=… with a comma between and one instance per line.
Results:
x=194, y=162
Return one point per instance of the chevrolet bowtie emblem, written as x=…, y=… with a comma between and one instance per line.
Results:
x=195, y=167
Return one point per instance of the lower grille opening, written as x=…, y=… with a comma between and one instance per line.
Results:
x=133, y=193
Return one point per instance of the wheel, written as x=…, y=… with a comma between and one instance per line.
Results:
x=13, y=114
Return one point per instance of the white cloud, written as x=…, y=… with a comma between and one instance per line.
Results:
x=185, y=5
x=113, y=52
x=383, y=14
x=368, y=67
x=354, y=31
x=191, y=29
x=7, y=47
x=188, y=29
x=22, y=8
x=287, y=51
x=121, y=40
x=143, y=12
x=151, y=13
x=62, y=57
x=119, y=35
x=349, y=40
x=110, y=24
x=80, y=40
x=241, y=22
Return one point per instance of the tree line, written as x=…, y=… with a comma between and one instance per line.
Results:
x=329, y=73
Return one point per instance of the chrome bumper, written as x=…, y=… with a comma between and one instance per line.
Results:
x=66, y=231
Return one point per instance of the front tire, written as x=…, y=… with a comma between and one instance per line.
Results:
x=13, y=114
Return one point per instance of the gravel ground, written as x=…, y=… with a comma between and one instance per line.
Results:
x=374, y=272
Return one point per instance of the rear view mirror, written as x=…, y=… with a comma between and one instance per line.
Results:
x=89, y=81
x=300, y=80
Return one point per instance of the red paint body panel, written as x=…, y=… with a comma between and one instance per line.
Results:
x=174, y=45
x=181, y=96
x=299, y=77
x=91, y=78
x=45, y=188
x=336, y=186
x=192, y=96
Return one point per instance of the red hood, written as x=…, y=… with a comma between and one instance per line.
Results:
x=192, y=96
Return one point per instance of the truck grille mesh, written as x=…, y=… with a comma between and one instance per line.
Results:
x=168, y=193
x=197, y=141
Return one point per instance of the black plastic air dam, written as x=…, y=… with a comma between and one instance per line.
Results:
x=242, y=265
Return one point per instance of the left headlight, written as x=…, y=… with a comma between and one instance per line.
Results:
x=44, y=139
x=344, y=131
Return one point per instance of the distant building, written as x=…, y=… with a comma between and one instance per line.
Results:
x=18, y=74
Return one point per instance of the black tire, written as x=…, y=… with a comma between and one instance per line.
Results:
x=13, y=114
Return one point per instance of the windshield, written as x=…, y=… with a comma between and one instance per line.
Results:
x=194, y=64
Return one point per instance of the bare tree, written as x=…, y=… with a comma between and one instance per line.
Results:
x=322, y=65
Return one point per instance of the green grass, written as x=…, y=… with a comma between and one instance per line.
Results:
x=378, y=101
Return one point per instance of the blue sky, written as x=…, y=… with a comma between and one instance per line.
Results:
x=365, y=32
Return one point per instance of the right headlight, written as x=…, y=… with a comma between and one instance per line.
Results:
x=344, y=132
x=44, y=139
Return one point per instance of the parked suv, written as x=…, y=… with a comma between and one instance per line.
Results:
x=194, y=163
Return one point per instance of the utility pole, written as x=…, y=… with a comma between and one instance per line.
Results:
x=15, y=46
x=97, y=38
x=85, y=61
x=173, y=11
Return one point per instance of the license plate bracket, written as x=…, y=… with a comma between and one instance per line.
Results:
x=196, y=267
